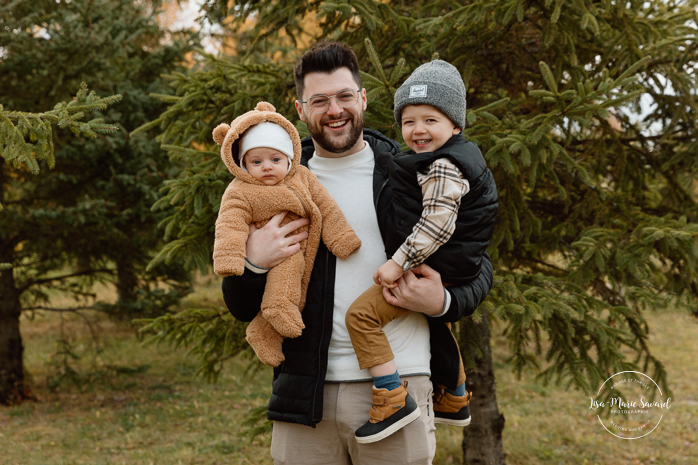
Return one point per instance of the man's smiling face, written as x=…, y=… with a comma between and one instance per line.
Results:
x=337, y=131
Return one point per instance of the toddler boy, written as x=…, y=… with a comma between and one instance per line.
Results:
x=434, y=222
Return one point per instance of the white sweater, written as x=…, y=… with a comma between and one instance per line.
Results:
x=349, y=180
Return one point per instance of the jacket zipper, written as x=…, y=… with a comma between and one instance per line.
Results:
x=380, y=191
x=304, y=204
x=322, y=334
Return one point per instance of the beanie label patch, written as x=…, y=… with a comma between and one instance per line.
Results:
x=418, y=91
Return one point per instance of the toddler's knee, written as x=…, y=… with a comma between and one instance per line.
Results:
x=353, y=318
x=359, y=317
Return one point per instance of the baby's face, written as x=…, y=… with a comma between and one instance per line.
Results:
x=426, y=129
x=266, y=165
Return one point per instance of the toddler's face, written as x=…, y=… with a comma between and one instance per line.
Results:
x=266, y=165
x=426, y=129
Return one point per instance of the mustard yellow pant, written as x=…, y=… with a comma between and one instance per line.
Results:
x=365, y=320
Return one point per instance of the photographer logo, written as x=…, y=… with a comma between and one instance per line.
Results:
x=630, y=405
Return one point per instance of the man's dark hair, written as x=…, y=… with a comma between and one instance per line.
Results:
x=325, y=57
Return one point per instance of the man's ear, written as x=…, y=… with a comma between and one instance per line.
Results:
x=299, y=109
x=364, y=100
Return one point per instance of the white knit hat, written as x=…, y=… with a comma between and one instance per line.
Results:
x=269, y=135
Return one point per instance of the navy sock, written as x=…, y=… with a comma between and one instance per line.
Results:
x=388, y=382
x=460, y=391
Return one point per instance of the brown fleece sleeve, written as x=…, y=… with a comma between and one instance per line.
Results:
x=336, y=232
x=232, y=229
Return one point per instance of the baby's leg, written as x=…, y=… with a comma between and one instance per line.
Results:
x=365, y=320
x=265, y=341
x=282, y=296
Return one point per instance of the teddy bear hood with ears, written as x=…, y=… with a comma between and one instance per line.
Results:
x=228, y=136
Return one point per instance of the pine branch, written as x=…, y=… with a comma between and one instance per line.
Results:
x=39, y=282
x=75, y=310
x=211, y=334
x=27, y=138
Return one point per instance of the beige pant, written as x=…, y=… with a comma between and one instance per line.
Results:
x=365, y=320
x=345, y=409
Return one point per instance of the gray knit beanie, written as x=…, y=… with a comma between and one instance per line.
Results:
x=438, y=84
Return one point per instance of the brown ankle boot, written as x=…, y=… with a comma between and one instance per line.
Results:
x=451, y=410
x=391, y=410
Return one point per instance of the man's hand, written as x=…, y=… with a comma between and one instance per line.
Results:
x=424, y=294
x=269, y=246
x=387, y=274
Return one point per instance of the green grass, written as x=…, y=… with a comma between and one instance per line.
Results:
x=143, y=405
x=548, y=425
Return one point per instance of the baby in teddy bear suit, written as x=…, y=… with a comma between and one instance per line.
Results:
x=262, y=150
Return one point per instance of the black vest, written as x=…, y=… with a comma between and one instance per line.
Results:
x=459, y=260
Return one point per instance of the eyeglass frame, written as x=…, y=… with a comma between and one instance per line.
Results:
x=329, y=99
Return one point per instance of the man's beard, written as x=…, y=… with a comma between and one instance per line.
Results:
x=328, y=143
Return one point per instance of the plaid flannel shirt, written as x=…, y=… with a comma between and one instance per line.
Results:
x=443, y=185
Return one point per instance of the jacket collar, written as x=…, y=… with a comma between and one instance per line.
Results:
x=422, y=159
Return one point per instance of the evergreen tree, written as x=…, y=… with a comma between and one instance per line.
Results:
x=597, y=218
x=20, y=153
x=89, y=219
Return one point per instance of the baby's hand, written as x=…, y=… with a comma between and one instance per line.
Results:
x=387, y=274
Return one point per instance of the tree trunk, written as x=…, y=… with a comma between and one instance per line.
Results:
x=482, y=440
x=126, y=285
x=12, y=387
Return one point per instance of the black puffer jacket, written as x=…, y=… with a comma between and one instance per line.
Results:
x=297, y=389
x=458, y=260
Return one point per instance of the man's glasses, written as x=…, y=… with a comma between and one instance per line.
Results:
x=321, y=103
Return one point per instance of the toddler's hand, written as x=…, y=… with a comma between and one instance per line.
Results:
x=387, y=274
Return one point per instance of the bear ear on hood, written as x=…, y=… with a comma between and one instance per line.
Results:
x=264, y=106
x=220, y=132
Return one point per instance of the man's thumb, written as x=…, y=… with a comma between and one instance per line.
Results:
x=425, y=271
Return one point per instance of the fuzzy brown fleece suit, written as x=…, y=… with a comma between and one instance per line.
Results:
x=246, y=201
